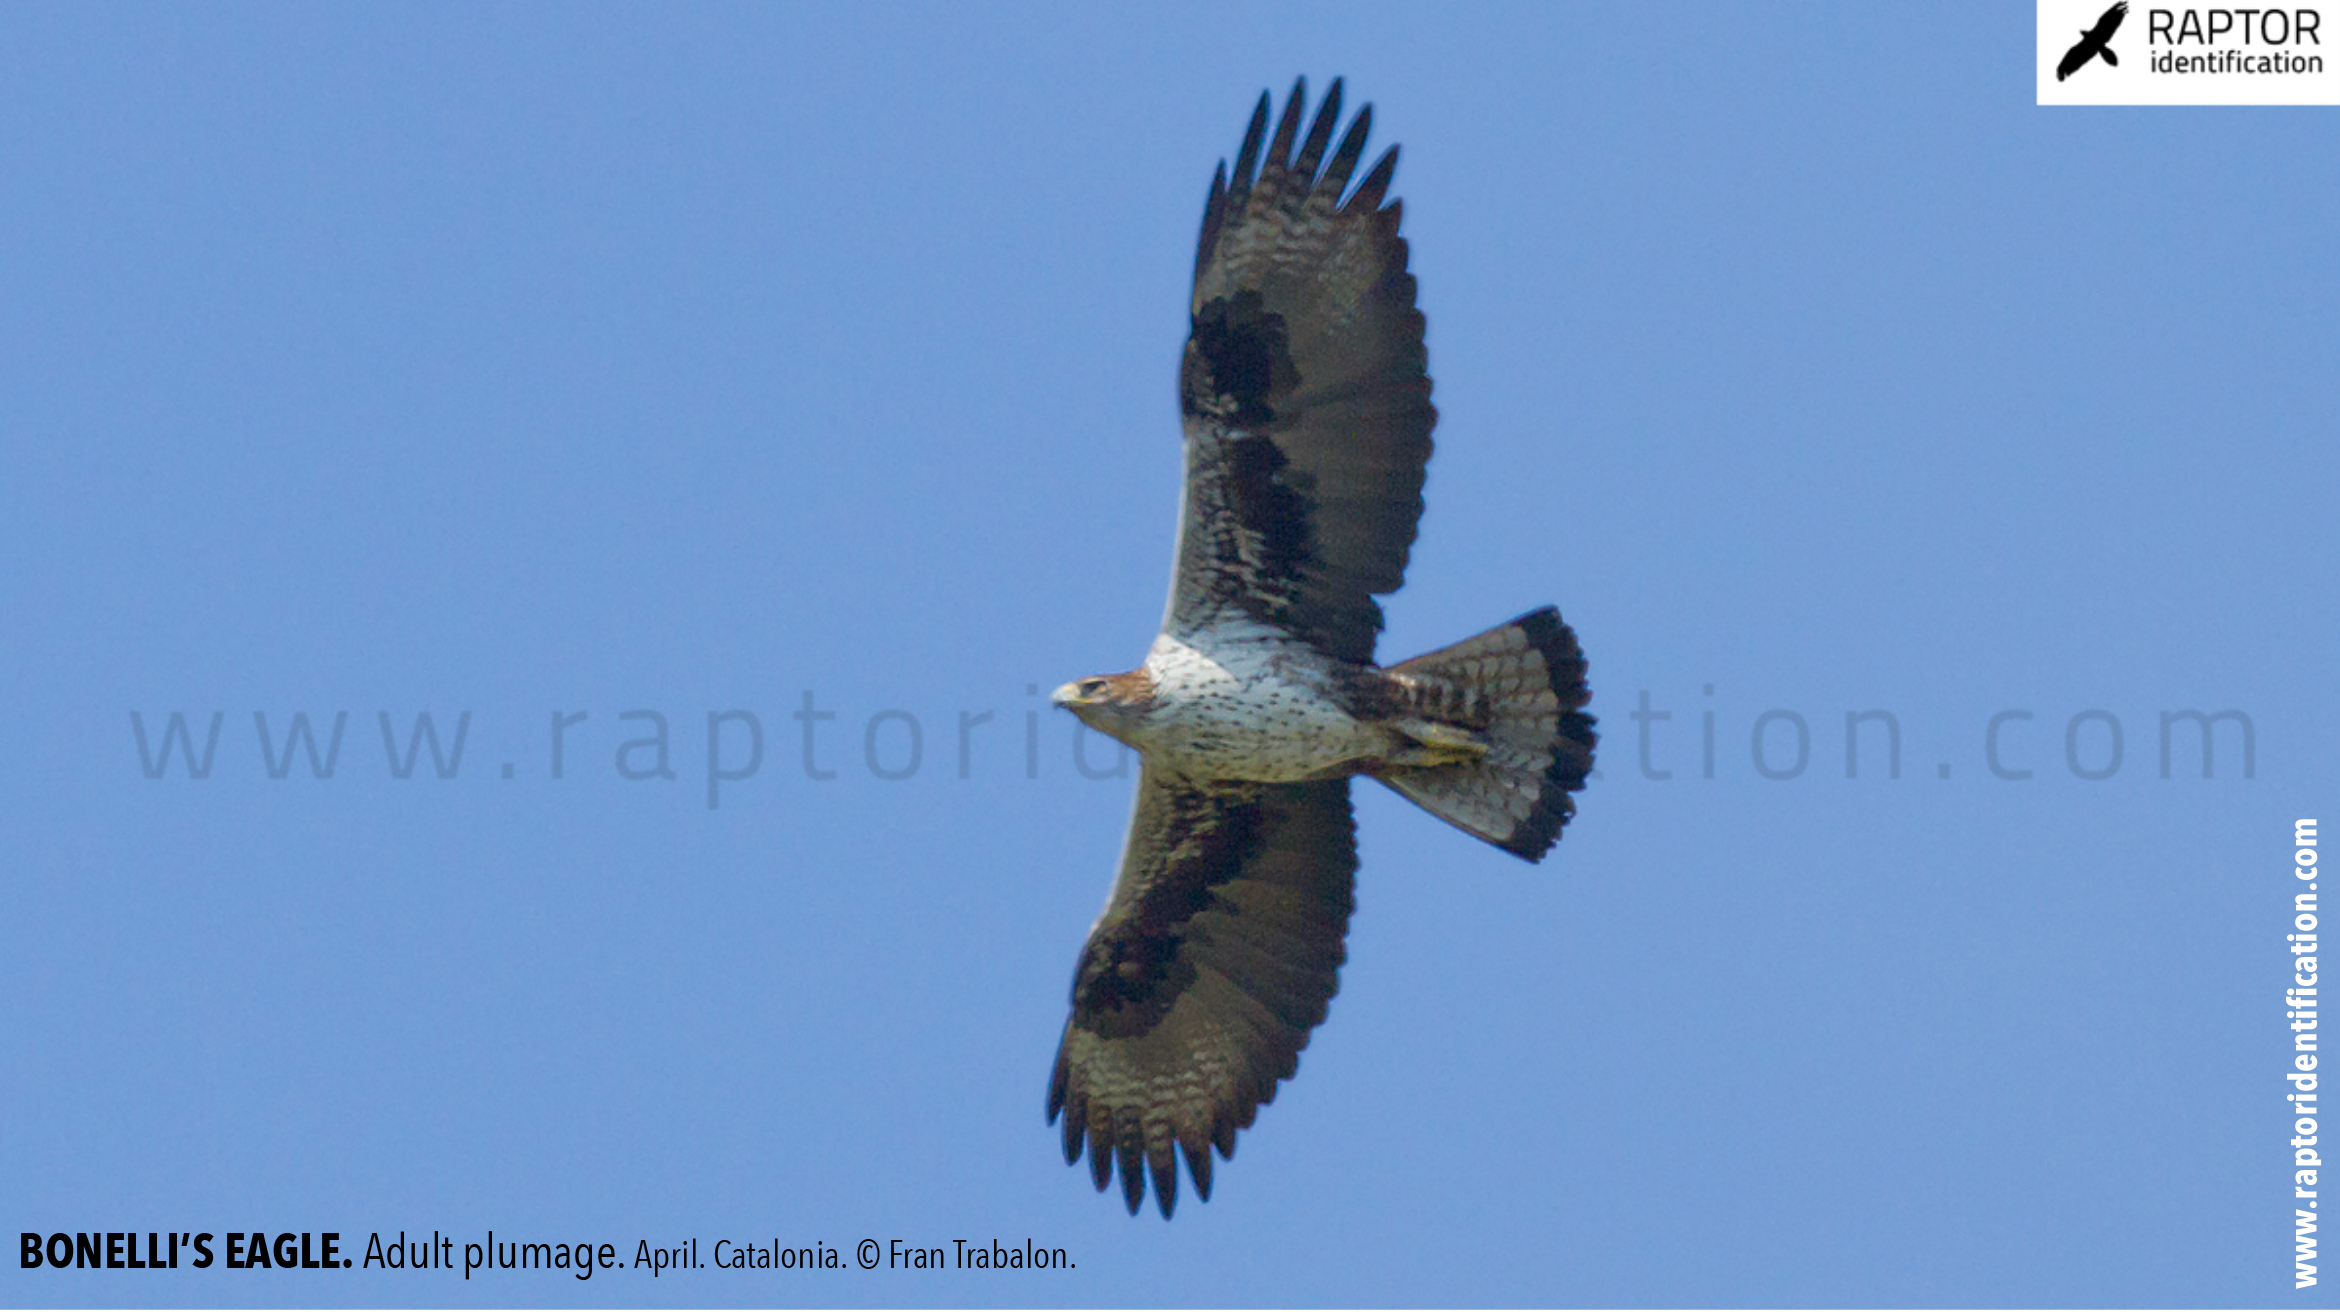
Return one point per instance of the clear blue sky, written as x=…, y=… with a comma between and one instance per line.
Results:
x=543, y=359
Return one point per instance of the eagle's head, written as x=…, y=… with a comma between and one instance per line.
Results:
x=1113, y=704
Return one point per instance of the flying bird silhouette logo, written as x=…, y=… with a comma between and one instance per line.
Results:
x=2093, y=42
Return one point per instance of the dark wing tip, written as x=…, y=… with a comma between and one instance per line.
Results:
x=1279, y=153
x=1230, y=189
x=1133, y=1176
x=1320, y=131
x=1344, y=161
x=1214, y=218
x=1073, y=1106
x=1376, y=185
x=1247, y=156
x=1100, y=1164
x=1162, y=1163
x=1198, y=1167
x=1133, y=1161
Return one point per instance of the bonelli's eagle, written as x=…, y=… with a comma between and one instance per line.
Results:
x=1307, y=418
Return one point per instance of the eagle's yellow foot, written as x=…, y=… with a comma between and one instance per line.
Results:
x=1436, y=744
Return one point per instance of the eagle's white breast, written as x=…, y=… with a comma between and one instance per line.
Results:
x=1242, y=701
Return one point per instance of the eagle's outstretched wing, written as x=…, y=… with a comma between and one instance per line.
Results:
x=1219, y=951
x=1305, y=391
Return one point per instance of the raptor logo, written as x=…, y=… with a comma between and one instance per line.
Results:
x=2094, y=42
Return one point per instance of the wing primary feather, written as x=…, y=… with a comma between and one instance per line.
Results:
x=1344, y=161
x=1198, y=1166
x=1133, y=1173
x=1279, y=155
x=1328, y=117
x=1162, y=1161
x=1247, y=158
x=1074, y=1106
x=1214, y=216
x=1376, y=185
x=1100, y=1159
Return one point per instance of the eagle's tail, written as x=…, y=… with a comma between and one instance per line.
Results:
x=1520, y=687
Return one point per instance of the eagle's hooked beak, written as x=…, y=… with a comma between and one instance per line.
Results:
x=1084, y=698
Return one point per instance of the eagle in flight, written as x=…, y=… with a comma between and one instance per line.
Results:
x=1307, y=416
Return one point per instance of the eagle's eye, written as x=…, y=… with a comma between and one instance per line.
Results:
x=1092, y=688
